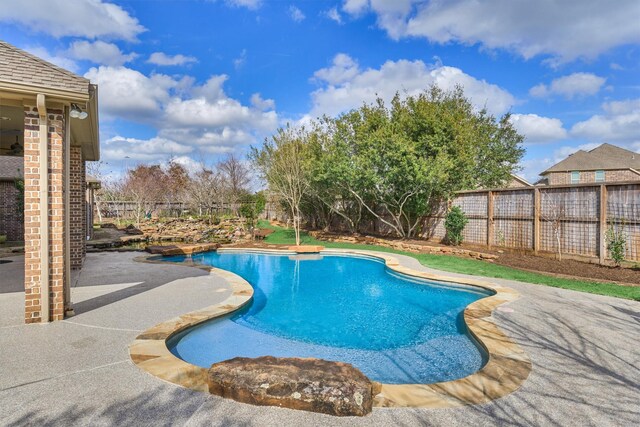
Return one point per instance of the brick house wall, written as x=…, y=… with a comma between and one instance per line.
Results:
x=562, y=178
x=11, y=223
x=33, y=273
x=514, y=183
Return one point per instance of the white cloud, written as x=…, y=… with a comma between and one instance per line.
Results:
x=202, y=113
x=118, y=148
x=129, y=94
x=334, y=15
x=619, y=124
x=160, y=58
x=343, y=68
x=566, y=30
x=189, y=118
x=262, y=104
x=576, y=84
x=81, y=18
x=249, y=4
x=60, y=61
x=538, y=129
x=296, y=14
x=100, y=52
x=346, y=86
x=355, y=7
x=187, y=162
x=530, y=168
x=239, y=62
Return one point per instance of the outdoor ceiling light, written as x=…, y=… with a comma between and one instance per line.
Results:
x=77, y=113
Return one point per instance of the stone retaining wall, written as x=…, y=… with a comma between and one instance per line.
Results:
x=401, y=245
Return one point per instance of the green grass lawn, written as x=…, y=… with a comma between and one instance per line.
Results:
x=283, y=236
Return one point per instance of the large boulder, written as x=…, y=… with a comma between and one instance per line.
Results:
x=316, y=385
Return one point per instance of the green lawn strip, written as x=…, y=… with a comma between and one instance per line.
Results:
x=282, y=236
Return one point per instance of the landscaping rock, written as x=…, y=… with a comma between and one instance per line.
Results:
x=132, y=230
x=182, y=249
x=306, y=249
x=315, y=385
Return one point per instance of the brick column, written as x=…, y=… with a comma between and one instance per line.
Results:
x=76, y=206
x=33, y=274
x=84, y=209
x=56, y=212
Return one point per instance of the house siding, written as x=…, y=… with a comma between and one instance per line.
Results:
x=586, y=177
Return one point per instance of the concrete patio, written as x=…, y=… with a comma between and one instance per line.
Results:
x=584, y=350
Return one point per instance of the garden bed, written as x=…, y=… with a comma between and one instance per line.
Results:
x=570, y=268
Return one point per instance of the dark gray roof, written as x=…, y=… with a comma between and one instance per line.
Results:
x=603, y=157
x=11, y=167
x=18, y=66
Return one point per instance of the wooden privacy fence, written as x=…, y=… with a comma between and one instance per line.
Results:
x=126, y=209
x=574, y=217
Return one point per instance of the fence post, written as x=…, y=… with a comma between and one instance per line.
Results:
x=536, y=220
x=602, y=252
x=489, y=218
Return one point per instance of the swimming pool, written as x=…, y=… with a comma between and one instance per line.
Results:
x=394, y=328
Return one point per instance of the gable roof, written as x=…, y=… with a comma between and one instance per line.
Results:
x=18, y=66
x=521, y=180
x=11, y=167
x=603, y=157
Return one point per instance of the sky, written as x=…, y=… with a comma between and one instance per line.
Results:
x=195, y=80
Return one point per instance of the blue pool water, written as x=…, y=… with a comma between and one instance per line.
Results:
x=351, y=309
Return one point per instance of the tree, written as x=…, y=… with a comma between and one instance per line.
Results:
x=205, y=189
x=145, y=185
x=281, y=164
x=397, y=163
x=237, y=176
x=251, y=208
x=454, y=223
x=177, y=183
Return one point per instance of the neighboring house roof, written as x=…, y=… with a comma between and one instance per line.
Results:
x=11, y=167
x=18, y=66
x=521, y=180
x=603, y=157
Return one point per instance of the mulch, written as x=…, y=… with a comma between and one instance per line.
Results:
x=569, y=268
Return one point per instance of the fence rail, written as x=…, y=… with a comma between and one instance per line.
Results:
x=126, y=209
x=574, y=218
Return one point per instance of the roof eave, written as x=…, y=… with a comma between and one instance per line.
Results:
x=53, y=93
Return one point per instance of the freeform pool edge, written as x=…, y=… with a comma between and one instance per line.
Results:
x=507, y=368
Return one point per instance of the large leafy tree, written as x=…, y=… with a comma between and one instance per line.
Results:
x=398, y=162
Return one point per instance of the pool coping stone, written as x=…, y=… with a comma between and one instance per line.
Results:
x=507, y=368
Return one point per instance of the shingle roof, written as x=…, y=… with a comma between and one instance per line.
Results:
x=18, y=66
x=603, y=157
x=11, y=167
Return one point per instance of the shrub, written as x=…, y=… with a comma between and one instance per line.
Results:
x=252, y=207
x=454, y=223
x=616, y=243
